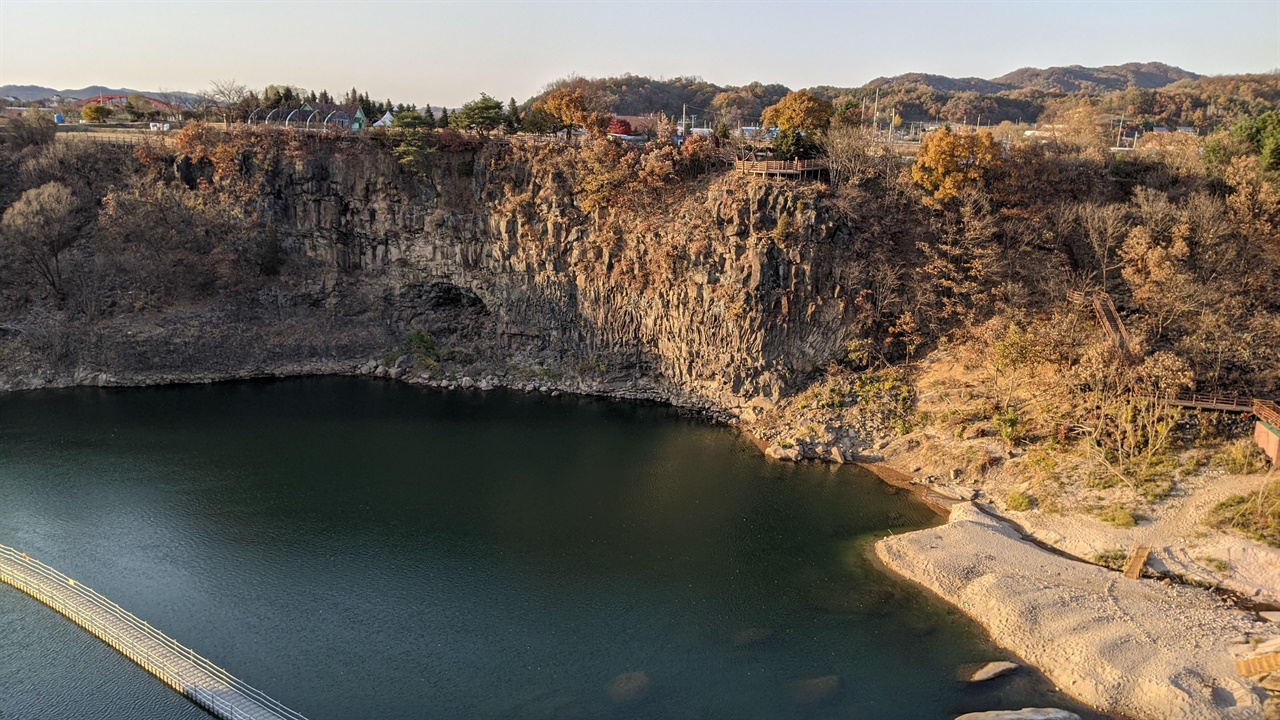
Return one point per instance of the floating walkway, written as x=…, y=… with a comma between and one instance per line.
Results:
x=204, y=683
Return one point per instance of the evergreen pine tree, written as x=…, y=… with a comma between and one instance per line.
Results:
x=444, y=118
x=512, y=120
x=430, y=115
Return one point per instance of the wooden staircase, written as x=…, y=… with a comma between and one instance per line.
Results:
x=1105, y=309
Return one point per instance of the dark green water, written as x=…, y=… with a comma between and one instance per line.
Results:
x=372, y=550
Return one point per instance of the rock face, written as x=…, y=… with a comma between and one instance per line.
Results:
x=1129, y=647
x=700, y=294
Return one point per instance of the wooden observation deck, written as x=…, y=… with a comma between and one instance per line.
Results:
x=799, y=169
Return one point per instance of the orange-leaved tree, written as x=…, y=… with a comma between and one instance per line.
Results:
x=576, y=106
x=949, y=163
x=800, y=111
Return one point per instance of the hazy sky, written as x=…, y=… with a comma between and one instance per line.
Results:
x=448, y=52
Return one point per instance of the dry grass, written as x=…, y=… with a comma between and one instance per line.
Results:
x=1256, y=514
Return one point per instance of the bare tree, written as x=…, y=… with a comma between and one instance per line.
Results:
x=38, y=228
x=1104, y=227
x=854, y=155
x=228, y=95
x=178, y=102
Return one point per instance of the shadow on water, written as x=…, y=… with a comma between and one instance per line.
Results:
x=366, y=549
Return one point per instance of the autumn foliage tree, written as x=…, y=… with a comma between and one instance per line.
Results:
x=949, y=163
x=95, y=113
x=619, y=126
x=799, y=111
x=576, y=107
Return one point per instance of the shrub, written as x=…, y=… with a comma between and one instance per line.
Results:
x=1241, y=457
x=422, y=347
x=1018, y=501
x=1119, y=515
x=1113, y=559
x=1256, y=514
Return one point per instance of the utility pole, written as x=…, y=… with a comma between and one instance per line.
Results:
x=684, y=109
x=1119, y=130
x=875, y=113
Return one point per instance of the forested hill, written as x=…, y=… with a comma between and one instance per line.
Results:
x=1068, y=79
x=1155, y=94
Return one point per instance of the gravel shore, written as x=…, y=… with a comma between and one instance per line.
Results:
x=1136, y=648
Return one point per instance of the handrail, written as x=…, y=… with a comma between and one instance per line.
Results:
x=136, y=623
x=1267, y=411
x=779, y=165
x=94, y=612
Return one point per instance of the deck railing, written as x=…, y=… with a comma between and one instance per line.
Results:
x=179, y=667
x=779, y=167
x=1268, y=412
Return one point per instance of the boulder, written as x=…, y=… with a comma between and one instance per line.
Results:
x=992, y=670
x=1271, y=709
x=1023, y=714
x=815, y=690
x=466, y=382
x=629, y=687
x=1270, y=683
x=777, y=452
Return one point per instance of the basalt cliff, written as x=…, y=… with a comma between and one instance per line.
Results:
x=723, y=293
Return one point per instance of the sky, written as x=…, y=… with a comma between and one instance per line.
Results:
x=448, y=52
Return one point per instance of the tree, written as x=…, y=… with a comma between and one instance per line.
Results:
x=95, y=113
x=232, y=98
x=411, y=120
x=949, y=163
x=512, y=120
x=854, y=155
x=795, y=145
x=430, y=116
x=1262, y=135
x=540, y=122
x=32, y=127
x=576, y=107
x=619, y=126
x=38, y=228
x=138, y=106
x=444, y=121
x=799, y=111
x=178, y=103
x=481, y=115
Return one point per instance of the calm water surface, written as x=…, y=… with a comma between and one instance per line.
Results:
x=362, y=549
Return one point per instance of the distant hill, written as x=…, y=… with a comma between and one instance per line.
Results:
x=27, y=93
x=941, y=83
x=1109, y=78
x=1069, y=79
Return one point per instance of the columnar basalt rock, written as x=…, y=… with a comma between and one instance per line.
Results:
x=700, y=292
